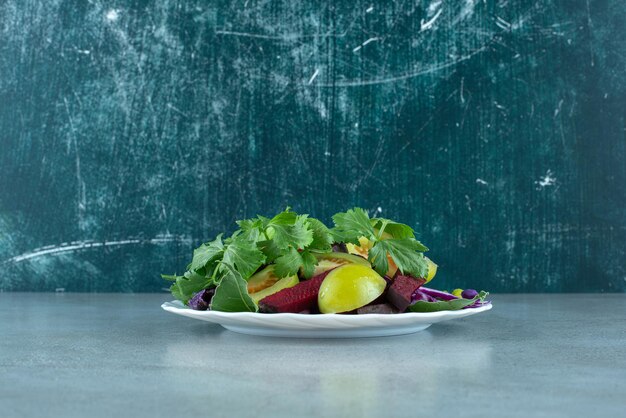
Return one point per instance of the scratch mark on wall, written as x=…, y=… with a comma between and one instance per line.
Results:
x=283, y=37
x=558, y=108
x=590, y=27
x=427, y=70
x=87, y=245
x=503, y=24
x=462, y=97
x=80, y=184
x=546, y=181
x=317, y=71
x=365, y=43
x=428, y=24
x=177, y=110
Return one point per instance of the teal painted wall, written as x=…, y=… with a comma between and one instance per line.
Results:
x=131, y=131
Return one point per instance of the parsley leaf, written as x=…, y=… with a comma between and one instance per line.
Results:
x=402, y=247
x=352, y=225
x=288, y=229
x=322, y=238
x=206, y=253
x=395, y=229
x=288, y=264
x=187, y=285
x=377, y=255
x=309, y=261
x=243, y=255
x=271, y=251
x=406, y=253
x=251, y=229
x=232, y=293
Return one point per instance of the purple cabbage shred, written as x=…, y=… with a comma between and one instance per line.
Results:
x=438, y=293
x=201, y=300
x=432, y=295
x=421, y=296
x=340, y=247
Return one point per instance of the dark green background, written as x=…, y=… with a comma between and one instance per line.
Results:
x=131, y=131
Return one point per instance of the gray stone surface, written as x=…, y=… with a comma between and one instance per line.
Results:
x=77, y=355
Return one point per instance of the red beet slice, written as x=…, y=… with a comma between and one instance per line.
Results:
x=402, y=289
x=301, y=297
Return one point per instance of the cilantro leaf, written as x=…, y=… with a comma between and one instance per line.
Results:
x=406, y=253
x=232, y=293
x=309, y=261
x=252, y=229
x=395, y=229
x=265, y=221
x=288, y=264
x=206, y=253
x=292, y=261
x=243, y=255
x=287, y=217
x=270, y=250
x=322, y=238
x=288, y=229
x=249, y=224
x=351, y=225
x=189, y=284
x=177, y=293
x=378, y=257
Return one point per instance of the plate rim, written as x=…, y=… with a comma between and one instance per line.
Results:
x=177, y=307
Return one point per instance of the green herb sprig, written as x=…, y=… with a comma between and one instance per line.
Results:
x=290, y=242
x=400, y=243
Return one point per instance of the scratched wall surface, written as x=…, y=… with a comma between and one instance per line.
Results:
x=131, y=131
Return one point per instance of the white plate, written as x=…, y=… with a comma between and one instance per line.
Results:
x=321, y=326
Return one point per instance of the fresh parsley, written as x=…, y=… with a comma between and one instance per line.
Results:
x=388, y=238
x=290, y=241
x=287, y=240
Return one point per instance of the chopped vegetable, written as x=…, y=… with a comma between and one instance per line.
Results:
x=401, y=291
x=469, y=294
x=298, y=298
x=379, y=308
x=439, y=294
x=446, y=305
x=419, y=295
x=349, y=287
x=280, y=264
x=403, y=248
x=201, y=300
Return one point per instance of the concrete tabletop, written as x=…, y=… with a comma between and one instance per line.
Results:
x=117, y=355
